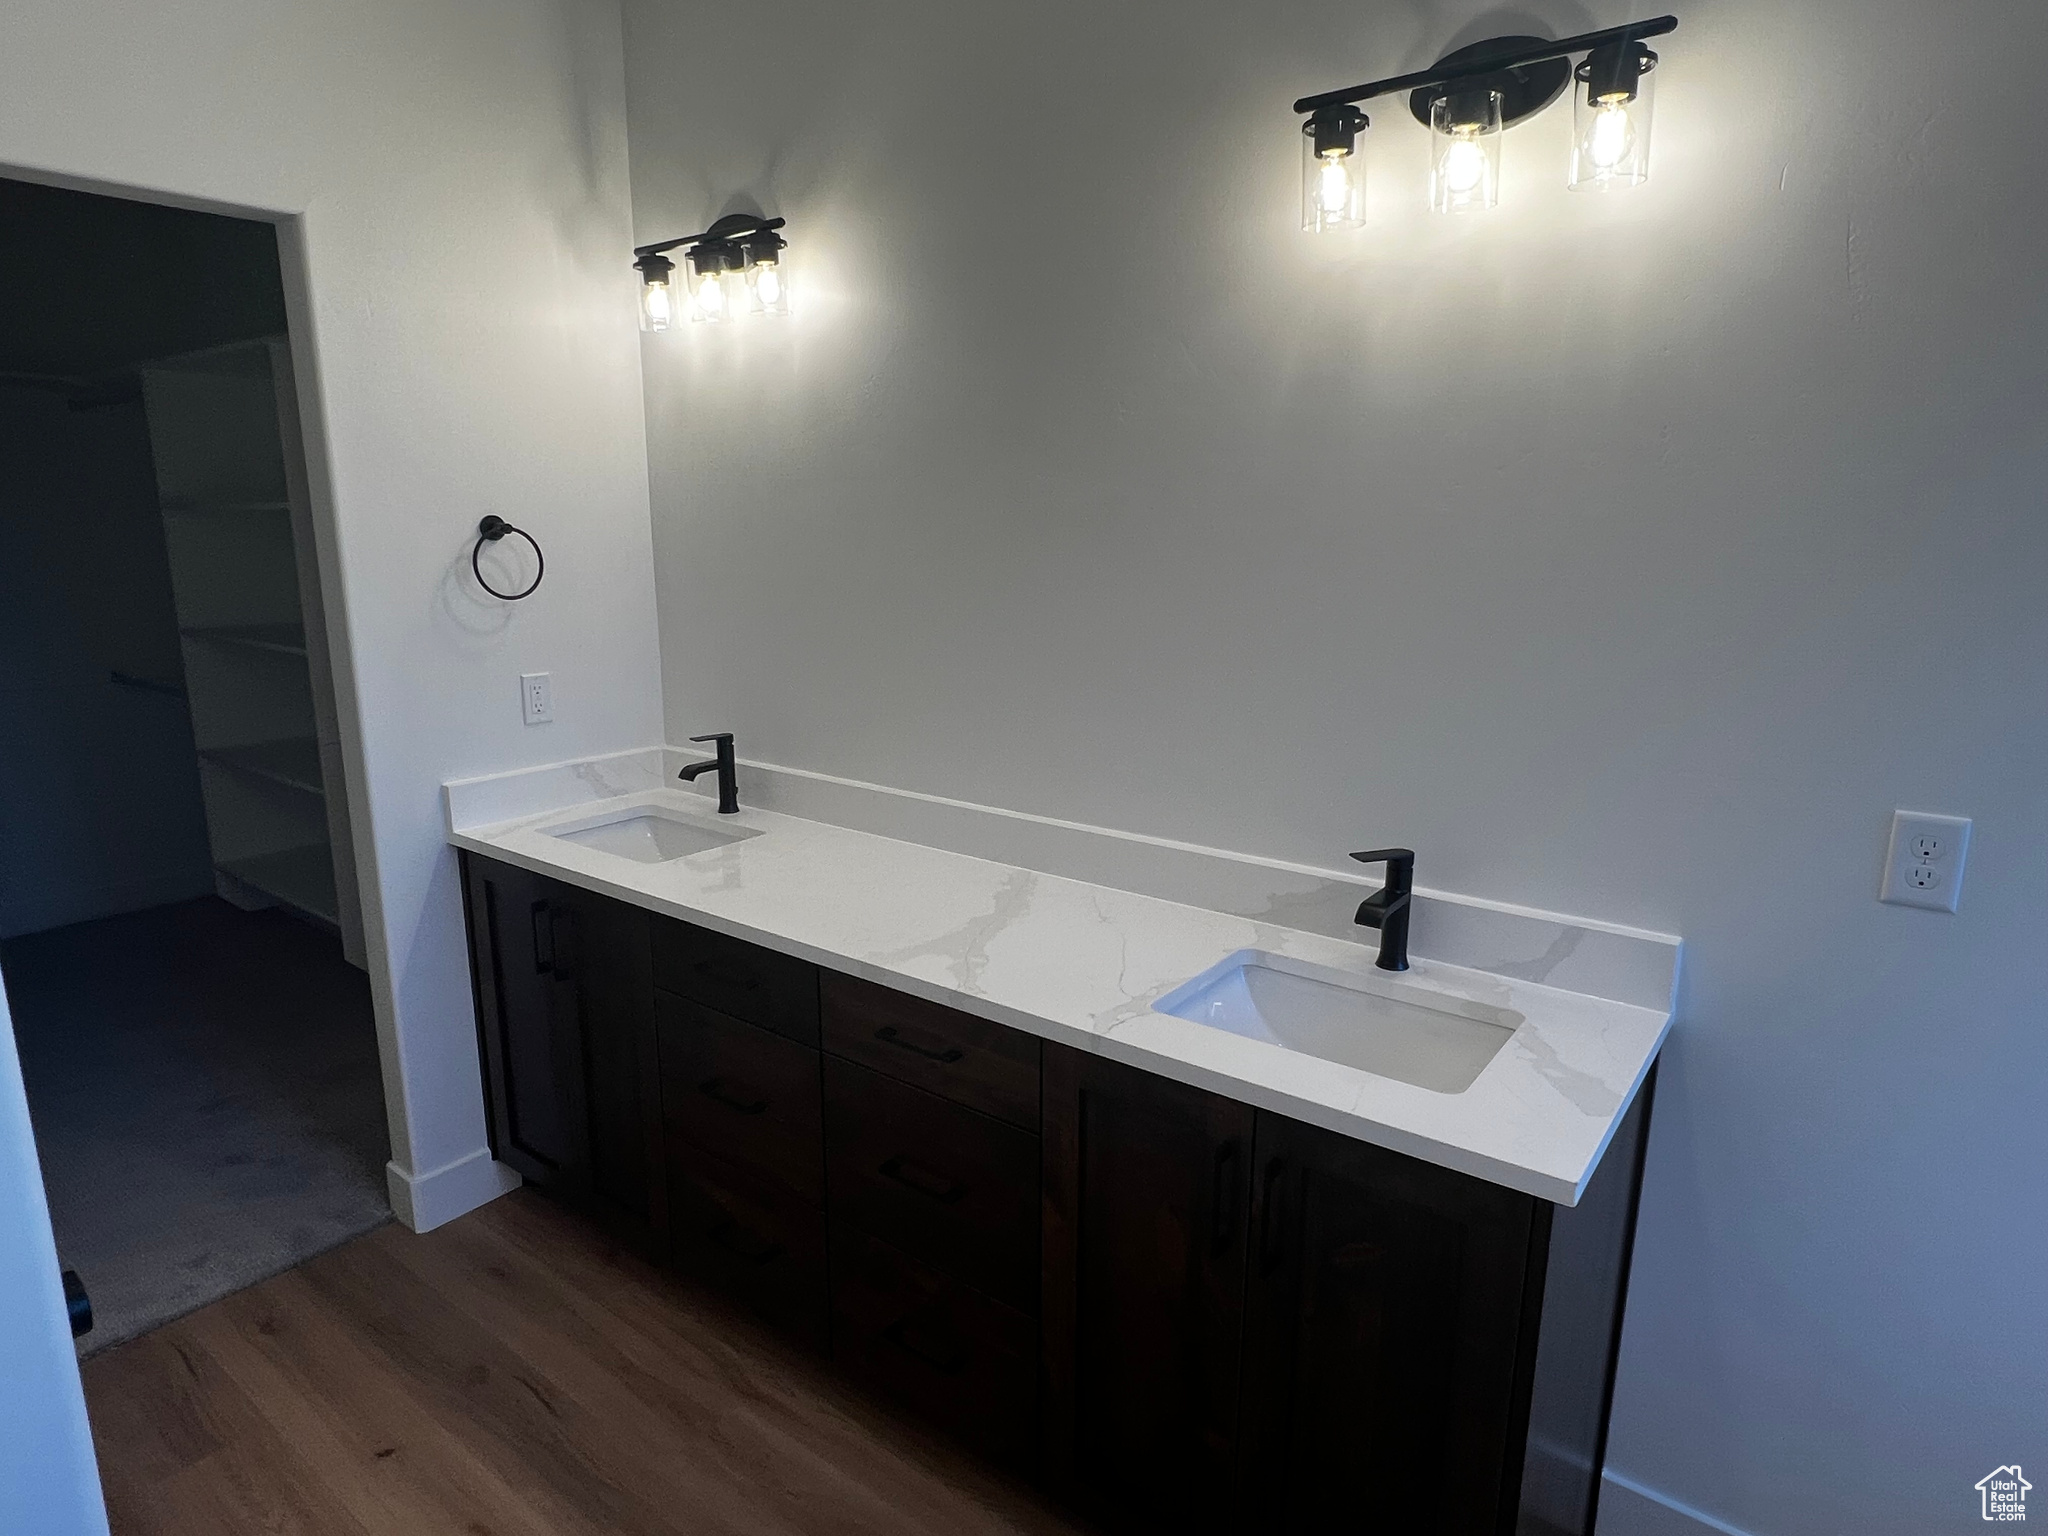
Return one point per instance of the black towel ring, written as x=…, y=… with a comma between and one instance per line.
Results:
x=489, y=531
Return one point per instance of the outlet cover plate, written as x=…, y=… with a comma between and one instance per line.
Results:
x=1924, y=865
x=536, y=698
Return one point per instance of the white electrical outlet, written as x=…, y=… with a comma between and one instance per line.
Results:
x=1924, y=866
x=536, y=698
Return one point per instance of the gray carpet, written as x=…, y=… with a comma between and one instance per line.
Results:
x=204, y=1088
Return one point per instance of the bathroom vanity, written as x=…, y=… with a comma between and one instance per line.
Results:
x=1181, y=1274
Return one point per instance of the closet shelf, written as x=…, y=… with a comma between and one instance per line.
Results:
x=279, y=639
x=294, y=762
x=301, y=878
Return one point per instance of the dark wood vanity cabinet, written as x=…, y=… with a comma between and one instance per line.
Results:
x=1390, y=1331
x=1147, y=1188
x=743, y=1122
x=932, y=1163
x=1181, y=1312
x=565, y=1024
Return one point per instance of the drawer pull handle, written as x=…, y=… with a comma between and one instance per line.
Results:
x=738, y=1096
x=922, y=1344
x=888, y=1034
x=726, y=975
x=924, y=1181
x=751, y=1246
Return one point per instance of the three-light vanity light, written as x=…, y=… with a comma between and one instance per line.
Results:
x=1468, y=97
x=735, y=268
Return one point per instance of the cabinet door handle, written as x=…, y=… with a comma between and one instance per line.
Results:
x=727, y=975
x=1272, y=1217
x=749, y=1245
x=888, y=1034
x=562, y=934
x=921, y=1344
x=1223, y=1198
x=734, y=1096
x=543, y=940
x=923, y=1180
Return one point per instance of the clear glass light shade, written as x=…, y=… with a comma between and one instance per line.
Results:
x=768, y=287
x=716, y=295
x=658, y=304
x=1464, y=141
x=1611, y=136
x=1332, y=185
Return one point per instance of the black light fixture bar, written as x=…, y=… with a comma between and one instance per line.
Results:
x=1437, y=74
x=734, y=226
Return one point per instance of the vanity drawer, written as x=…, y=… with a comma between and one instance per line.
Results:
x=948, y=1185
x=737, y=978
x=985, y=1066
x=935, y=1345
x=740, y=1093
x=758, y=1244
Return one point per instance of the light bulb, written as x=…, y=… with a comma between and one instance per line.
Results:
x=710, y=296
x=1611, y=118
x=656, y=308
x=768, y=285
x=1333, y=183
x=1464, y=131
x=1612, y=138
x=1464, y=166
x=1333, y=170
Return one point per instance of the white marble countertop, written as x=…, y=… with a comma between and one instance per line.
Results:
x=1082, y=964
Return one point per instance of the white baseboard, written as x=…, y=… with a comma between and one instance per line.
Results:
x=1628, y=1508
x=424, y=1201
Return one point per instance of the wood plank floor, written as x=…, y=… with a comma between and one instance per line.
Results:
x=512, y=1374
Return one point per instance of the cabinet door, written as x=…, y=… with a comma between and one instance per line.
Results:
x=565, y=1015
x=1390, y=1340
x=950, y=1187
x=926, y=1339
x=738, y=979
x=985, y=1066
x=604, y=1018
x=742, y=1094
x=528, y=1023
x=750, y=1238
x=1146, y=1193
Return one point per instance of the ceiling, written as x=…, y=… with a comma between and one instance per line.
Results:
x=90, y=283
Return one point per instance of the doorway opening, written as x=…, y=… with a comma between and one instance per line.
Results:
x=180, y=931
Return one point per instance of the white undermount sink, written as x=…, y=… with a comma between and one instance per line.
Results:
x=1411, y=1034
x=649, y=835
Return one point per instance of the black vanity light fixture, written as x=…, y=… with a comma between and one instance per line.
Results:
x=1467, y=98
x=735, y=268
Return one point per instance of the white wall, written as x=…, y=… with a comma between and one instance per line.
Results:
x=457, y=173
x=49, y=1477
x=1628, y=557
x=99, y=790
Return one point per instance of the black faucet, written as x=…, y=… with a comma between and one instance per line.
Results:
x=728, y=780
x=1388, y=909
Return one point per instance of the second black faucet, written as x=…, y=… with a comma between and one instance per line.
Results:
x=1388, y=909
x=728, y=777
